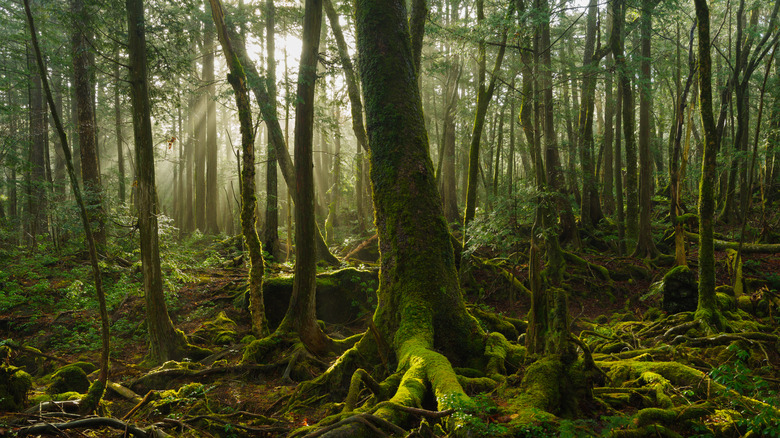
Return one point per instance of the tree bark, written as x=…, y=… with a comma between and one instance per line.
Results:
x=645, y=247
x=212, y=193
x=271, y=229
x=165, y=342
x=707, y=308
x=301, y=312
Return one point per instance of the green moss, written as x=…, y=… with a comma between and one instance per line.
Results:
x=725, y=302
x=649, y=416
x=69, y=378
x=14, y=384
x=91, y=401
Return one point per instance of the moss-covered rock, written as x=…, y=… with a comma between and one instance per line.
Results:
x=71, y=377
x=343, y=296
x=14, y=384
x=219, y=331
x=680, y=290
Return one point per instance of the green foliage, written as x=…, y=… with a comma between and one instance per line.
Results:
x=501, y=228
x=739, y=377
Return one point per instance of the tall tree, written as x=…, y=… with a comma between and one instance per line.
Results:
x=301, y=317
x=645, y=247
x=87, y=129
x=212, y=192
x=271, y=229
x=484, y=95
x=237, y=80
x=36, y=217
x=707, y=308
x=96, y=390
x=165, y=341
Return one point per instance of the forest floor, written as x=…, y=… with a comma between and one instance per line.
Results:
x=45, y=307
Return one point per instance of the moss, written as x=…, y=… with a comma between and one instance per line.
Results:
x=14, y=384
x=91, y=401
x=69, y=378
x=649, y=416
x=725, y=302
x=219, y=331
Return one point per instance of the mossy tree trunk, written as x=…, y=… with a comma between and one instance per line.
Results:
x=165, y=342
x=420, y=307
x=237, y=80
x=707, y=307
x=275, y=135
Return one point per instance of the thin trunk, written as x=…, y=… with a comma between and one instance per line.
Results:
x=212, y=193
x=301, y=312
x=271, y=229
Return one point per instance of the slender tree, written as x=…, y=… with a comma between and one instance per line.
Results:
x=707, y=308
x=165, y=341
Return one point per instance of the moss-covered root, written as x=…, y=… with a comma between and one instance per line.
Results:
x=500, y=354
x=678, y=375
x=597, y=270
x=360, y=377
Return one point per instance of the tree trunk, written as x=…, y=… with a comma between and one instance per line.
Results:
x=645, y=247
x=165, y=342
x=616, y=46
x=300, y=317
x=707, y=308
x=87, y=130
x=36, y=212
x=119, y=140
x=212, y=193
x=271, y=229
x=484, y=95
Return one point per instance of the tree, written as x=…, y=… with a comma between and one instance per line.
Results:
x=96, y=390
x=87, y=130
x=237, y=80
x=211, y=204
x=645, y=247
x=707, y=308
x=165, y=341
x=300, y=317
x=484, y=95
x=271, y=230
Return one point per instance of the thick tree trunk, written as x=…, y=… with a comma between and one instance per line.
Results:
x=420, y=304
x=165, y=342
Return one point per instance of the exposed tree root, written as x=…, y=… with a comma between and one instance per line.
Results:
x=596, y=270
x=90, y=423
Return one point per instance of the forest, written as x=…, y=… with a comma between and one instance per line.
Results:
x=375, y=218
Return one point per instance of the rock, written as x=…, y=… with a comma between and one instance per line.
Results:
x=70, y=378
x=14, y=384
x=680, y=290
x=219, y=331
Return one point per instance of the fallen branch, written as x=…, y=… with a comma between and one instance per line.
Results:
x=361, y=246
x=747, y=248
